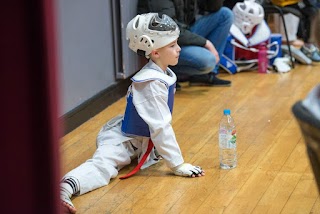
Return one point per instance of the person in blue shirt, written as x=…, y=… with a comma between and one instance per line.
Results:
x=204, y=26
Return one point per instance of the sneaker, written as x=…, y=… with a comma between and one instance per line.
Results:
x=297, y=54
x=311, y=51
x=208, y=80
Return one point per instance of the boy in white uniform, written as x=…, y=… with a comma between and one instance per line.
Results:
x=147, y=117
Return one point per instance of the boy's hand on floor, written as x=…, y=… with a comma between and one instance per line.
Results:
x=188, y=170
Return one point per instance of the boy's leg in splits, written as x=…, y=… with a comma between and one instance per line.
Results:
x=95, y=172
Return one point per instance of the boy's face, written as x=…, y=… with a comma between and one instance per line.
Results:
x=169, y=54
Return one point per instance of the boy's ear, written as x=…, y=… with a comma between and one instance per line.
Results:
x=155, y=53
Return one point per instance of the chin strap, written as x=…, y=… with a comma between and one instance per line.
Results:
x=143, y=159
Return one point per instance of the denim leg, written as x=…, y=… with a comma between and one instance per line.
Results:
x=194, y=60
x=215, y=27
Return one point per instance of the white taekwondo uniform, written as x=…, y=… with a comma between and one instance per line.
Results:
x=116, y=149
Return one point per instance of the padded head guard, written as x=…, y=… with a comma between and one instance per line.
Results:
x=247, y=15
x=147, y=32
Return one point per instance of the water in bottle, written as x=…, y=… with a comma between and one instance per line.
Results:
x=227, y=141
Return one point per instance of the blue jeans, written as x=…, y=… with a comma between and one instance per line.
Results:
x=196, y=60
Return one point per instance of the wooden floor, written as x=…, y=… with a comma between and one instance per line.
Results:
x=273, y=174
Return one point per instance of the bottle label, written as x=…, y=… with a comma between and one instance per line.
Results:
x=233, y=138
x=227, y=139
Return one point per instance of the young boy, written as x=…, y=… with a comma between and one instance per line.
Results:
x=147, y=119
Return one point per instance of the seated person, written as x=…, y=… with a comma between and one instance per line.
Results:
x=309, y=11
x=204, y=28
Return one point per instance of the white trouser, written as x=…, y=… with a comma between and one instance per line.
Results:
x=104, y=165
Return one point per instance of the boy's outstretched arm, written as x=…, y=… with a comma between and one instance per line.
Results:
x=153, y=108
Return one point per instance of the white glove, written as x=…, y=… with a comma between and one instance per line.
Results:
x=187, y=170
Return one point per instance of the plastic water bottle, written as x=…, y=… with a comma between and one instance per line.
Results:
x=227, y=141
x=262, y=59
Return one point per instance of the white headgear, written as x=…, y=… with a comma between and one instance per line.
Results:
x=147, y=32
x=247, y=15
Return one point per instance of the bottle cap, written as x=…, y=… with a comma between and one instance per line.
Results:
x=226, y=111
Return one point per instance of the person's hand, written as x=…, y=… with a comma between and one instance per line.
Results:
x=213, y=50
x=188, y=170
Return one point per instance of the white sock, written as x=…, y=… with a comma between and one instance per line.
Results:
x=65, y=194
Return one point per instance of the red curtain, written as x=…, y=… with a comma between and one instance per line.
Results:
x=29, y=126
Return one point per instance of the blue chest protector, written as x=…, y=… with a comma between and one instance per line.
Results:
x=133, y=124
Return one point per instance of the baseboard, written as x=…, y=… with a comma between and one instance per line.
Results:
x=94, y=105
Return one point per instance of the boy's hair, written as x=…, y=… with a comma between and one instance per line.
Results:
x=147, y=32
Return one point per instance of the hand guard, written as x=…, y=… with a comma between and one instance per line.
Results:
x=187, y=170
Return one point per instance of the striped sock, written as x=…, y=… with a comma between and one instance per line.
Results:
x=70, y=186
